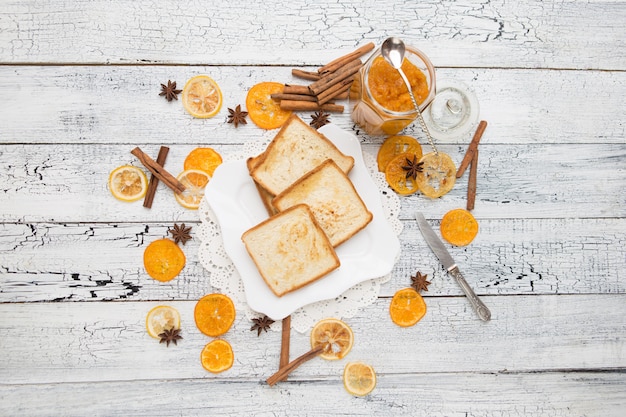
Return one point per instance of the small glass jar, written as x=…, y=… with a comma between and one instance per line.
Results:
x=372, y=116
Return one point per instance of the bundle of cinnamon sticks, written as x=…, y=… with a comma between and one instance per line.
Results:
x=330, y=82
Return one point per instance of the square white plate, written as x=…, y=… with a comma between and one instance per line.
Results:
x=369, y=254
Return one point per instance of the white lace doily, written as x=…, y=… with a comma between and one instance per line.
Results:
x=224, y=276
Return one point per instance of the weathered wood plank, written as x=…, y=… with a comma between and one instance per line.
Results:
x=80, y=342
x=104, y=262
x=121, y=105
x=531, y=34
x=68, y=183
x=424, y=394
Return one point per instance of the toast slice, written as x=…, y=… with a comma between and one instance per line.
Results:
x=295, y=150
x=266, y=197
x=290, y=250
x=334, y=201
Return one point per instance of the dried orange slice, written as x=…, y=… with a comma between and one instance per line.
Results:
x=204, y=159
x=264, y=111
x=359, y=378
x=163, y=260
x=437, y=176
x=458, y=227
x=214, y=314
x=128, y=183
x=394, y=146
x=162, y=318
x=202, y=97
x=195, y=182
x=335, y=335
x=217, y=356
x=397, y=174
x=407, y=307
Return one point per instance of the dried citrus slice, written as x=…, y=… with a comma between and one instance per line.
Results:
x=264, y=111
x=359, y=378
x=437, y=176
x=195, y=182
x=407, y=307
x=217, y=356
x=162, y=318
x=394, y=146
x=214, y=314
x=202, y=97
x=458, y=227
x=335, y=335
x=128, y=183
x=398, y=175
x=204, y=159
x=163, y=260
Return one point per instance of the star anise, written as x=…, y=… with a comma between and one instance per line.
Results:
x=320, y=119
x=261, y=323
x=412, y=167
x=181, y=233
x=419, y=283
x=170, y=335
x=237, y=116
x=169, y=91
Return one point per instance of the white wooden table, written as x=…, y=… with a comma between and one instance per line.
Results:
x=79, y=85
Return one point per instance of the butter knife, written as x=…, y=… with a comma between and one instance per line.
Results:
x=446, y=259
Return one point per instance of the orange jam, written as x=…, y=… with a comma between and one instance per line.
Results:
x=388, y=89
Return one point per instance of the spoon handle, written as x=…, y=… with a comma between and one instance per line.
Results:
x=419, y=113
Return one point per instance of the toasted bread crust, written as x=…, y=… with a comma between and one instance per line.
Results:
x=333, y=199
x=295, y=150
x=290, y=250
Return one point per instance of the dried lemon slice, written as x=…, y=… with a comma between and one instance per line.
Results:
x=359, y=378
x=162, y=318
x=195, y=182
x=128, y=183
x=202, y=97
x=217, y=356
x=335, y=335
x=437, y=176
x=264, y=111
x=458, y=227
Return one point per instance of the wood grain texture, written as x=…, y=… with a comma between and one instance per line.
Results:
x=591, y=394
x=113, y=104
x=535, y=34
x=80, y=342
x=104, y=262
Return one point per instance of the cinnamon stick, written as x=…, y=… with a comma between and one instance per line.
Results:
x=333, y=78
x=471, y=187
x=294, y=97
x=158, y=171
x=285, y=342
x=306, y=75
x=335, y=90
x=342, y=60
x=296, y=89
x=309, y=106
x=286, y=370
x=472, y=147
x=154, y=181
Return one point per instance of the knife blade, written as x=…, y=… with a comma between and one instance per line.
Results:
x=438, y=248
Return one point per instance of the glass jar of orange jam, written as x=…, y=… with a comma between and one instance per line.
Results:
x=379, y=100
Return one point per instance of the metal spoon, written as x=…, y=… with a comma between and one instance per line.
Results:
x=393, y=50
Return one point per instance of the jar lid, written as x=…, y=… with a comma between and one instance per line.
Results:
x=454, y=111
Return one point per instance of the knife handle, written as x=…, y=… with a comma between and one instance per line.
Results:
x=481, y=309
